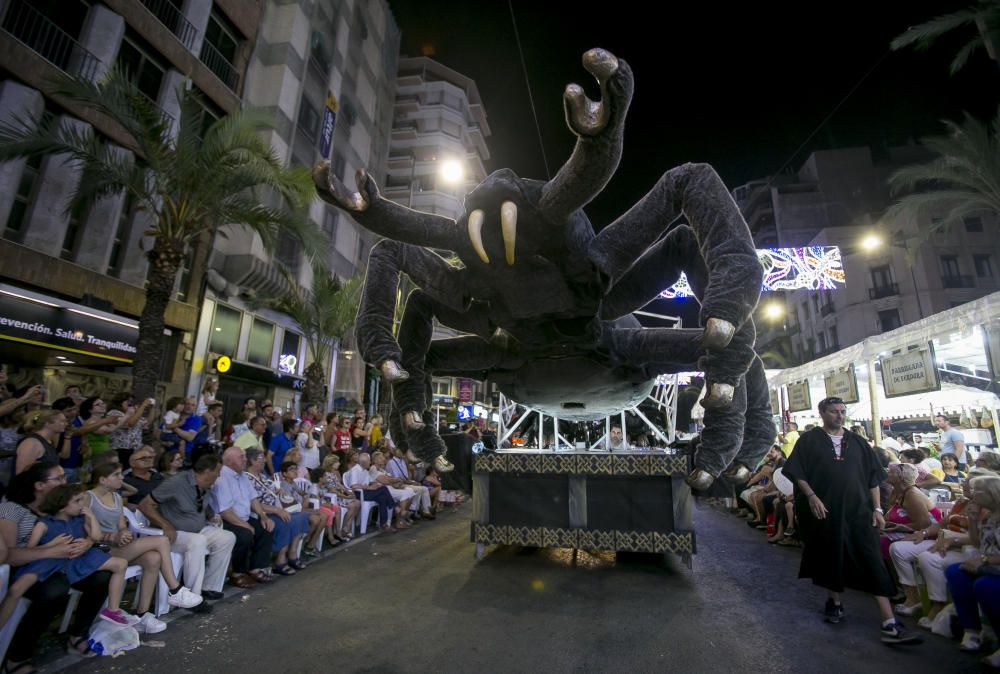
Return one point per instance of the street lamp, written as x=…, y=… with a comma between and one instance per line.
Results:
x=774, y=311
x=872, y=242
x=452, y=171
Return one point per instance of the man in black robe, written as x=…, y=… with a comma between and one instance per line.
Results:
x=837, y=502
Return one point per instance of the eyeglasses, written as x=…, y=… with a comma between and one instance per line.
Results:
x=58, y=478
x=143, y=458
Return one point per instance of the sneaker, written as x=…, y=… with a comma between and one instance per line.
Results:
x=972, y=641
x=895, y=633
x=833, y=613
x=148, y=624
x=905, y=610
x=203, y=607
x=183, y=598
x=926, y=623
x=212, y=595
x=118, y=617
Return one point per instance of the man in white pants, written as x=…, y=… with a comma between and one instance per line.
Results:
x=403, y=495
x=399, y=469
x=180, y=506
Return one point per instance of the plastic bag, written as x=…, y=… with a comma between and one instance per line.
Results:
x=942, y=621
x=109, y=639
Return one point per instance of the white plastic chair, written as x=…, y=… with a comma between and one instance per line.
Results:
x=7, y=633
x=133, y=571
x=139, y=526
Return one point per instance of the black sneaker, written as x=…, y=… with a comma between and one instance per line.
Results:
x=212, y=595
x=895, y=633
x=833, y=613
x=203, y=607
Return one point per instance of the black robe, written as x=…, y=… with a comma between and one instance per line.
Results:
x=843, y=549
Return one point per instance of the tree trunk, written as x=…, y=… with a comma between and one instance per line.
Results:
x=164, y=261
x=313, y=393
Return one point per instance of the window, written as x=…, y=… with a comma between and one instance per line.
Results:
x=309, y=119
x=889, y=320
x=815, y=299
x=973, y=223
x=288, y=358
x=225, y=330
x=984, y=267
x=881, y=276
x=136, y=58
x=121, y=235
x=949, y=266
x=805, y=312
x=261, y=342
x=288, y=251
x=22, y=199
x=442, y=387
x=221, y=35
x=834, y=339
x=821, y=340
x=72, y=238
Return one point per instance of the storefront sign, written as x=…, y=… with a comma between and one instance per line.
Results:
x=843, y=385
x=465, y=390
x=66, y=328
x=910, y=372
x=288, y=363
x=799, y=399
x=223, y=364
x=264, y=376
x=326, y=131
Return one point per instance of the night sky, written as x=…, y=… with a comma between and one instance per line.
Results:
x=740, y=86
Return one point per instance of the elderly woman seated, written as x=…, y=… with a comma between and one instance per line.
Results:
x=933, y=549
x=289, y=528
x=975, y=583
x=909, y=508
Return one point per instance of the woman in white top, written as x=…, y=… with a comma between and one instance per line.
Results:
x=308, y=446
x=207, y=396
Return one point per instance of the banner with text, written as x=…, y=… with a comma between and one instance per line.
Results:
x=910, y=372
x=65, y=329
x=843, y=385
x=799, y=399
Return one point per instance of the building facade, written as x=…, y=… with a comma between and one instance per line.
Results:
x=310, y=57
x=439, y=121
x=71, y=288
x=895, y=274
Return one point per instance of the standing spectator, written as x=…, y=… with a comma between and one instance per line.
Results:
x=282, y=442
x=330, y=432
x=172, y=419
x=207, y=397
x=94, y=427
x=74, y=393
x=181, y=508
x=359, y=433
x=208, y=437
x=43, y=428
x=308, y=446
x=126, y=436
x=236, y=501
x=311, y=414
x=952, y=440
x=375, y=430
x=838, y=507
x=18, y=516
x=267, y=411
x=789, y=438
x=190, y=427
x=31, y=397
x=253, y=437
x=246, y=416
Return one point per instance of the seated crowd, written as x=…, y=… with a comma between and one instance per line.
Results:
x=246, y=504
x=949, y=549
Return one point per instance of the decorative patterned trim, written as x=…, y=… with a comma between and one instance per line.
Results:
x=654, y=465
x=631, y=541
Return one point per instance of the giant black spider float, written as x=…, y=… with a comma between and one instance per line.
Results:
x=546, y=303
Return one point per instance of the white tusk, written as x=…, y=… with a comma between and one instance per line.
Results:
x=476, y=234
x=508, y=225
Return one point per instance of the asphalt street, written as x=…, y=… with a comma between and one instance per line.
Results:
x=418, y=601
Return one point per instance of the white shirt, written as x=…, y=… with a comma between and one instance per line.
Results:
x=356, y=475
x=310, y=456
x=891, y=443
x=838, y=441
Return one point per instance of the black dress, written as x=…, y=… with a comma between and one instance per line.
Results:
x=843, y=549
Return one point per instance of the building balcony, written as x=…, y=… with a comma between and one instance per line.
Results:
x=33, y=29
x=887, y=290
x=410, y=103
x=827, y=310
x=219, y=65
x=170, y=16
x=960, y=281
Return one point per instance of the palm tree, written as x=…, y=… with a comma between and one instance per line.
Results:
x=326, y=315
x=963, y=180
x=984, y=16
x=191, y=183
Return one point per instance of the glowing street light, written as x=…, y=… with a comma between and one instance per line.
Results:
x=452, y=171
x=871, y=242
x=774, y=311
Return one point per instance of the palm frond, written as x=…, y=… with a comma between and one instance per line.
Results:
x=962, y=57
x=923, y=35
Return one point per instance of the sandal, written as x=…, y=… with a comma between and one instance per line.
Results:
x=260, y=576
x=73, y=648
x=23, y=667
x=297, y=564
x=284, y=570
